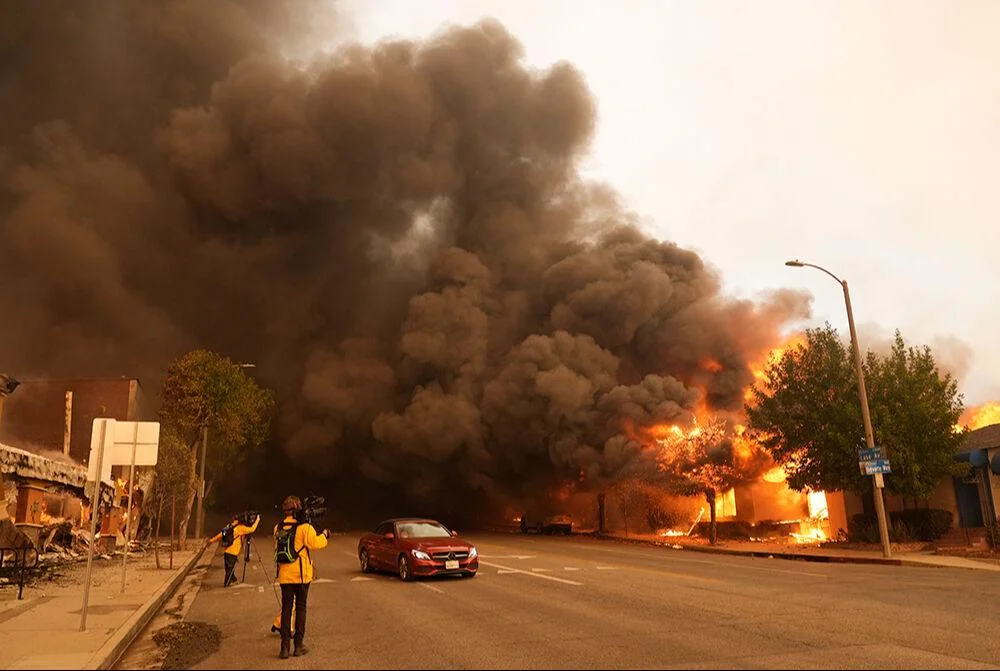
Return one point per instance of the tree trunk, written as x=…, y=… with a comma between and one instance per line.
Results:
x=189, y=499
x=156, y=536
x=601, y=520
x=713, y=534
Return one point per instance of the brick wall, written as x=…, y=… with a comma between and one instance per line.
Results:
x=34, y=415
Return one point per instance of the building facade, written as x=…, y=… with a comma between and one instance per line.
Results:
x=35, y=416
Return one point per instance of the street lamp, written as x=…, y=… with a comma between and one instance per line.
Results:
x=879, y=483
x=199, y=522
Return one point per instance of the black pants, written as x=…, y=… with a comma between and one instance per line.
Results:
x=231, y=561
x=297, y=595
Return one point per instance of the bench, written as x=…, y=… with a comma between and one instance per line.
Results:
x=15, y=564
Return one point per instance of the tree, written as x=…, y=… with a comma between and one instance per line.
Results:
x=916, y=409
x=171, y=477
x=807, y=415
x=205, y=389
x=709, y=459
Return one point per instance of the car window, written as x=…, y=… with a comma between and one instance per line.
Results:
x=423, y=530
x=383, y=529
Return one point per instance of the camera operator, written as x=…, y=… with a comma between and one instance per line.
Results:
x=231, y=538
x=294, y=539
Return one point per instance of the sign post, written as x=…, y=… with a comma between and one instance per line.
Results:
x=131, y=436
x=95, y=499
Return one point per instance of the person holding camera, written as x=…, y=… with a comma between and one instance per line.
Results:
x=231, y=539
x=294, y=540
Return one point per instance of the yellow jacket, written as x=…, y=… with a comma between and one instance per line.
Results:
x=306, y=540
x=239, y=531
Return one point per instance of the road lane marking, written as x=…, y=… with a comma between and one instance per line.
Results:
x=436, y=589
x=324, y=580
x=570, y=568
x=537, y=575
x=507, y=556
x=606, y=568
x=361, y=578
x=539, y=570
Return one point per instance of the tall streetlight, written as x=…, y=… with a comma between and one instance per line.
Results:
x=879, y=483
x=199, y=521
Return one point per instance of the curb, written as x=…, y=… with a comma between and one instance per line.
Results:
x=793, y=556
x=120, y=640
x=828, y=559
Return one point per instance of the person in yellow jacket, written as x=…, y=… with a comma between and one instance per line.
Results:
x=294, y=541
x=233, y=534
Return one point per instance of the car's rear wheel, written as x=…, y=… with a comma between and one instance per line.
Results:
x=366, y=566
x=404, y=569
x=469, y=575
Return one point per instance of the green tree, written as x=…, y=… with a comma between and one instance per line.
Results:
x=204, y=389
x=914, y=411
x=171, y=478
x=807, y=414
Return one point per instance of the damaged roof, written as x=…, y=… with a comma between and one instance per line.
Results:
x=15, y=461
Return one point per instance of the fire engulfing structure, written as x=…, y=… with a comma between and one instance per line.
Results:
x=397, y=234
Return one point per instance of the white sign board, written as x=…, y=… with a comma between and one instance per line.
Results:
x=119, y=440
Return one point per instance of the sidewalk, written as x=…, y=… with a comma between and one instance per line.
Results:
x=42, y=631
x=805, y=552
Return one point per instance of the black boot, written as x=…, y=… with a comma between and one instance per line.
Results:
x=284, y=648
x=300, y=648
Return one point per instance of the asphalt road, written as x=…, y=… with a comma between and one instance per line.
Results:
x=576, y=602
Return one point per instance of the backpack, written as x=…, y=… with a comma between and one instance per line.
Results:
x=228, y=535
x=284, y=543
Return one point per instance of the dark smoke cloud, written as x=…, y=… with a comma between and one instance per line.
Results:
x=396, y=234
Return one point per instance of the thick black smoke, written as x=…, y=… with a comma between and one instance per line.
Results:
x=397, y=235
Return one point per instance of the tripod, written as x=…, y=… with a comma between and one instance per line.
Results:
x=246, y=560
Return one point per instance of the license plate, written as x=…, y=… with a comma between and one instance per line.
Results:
x=451, y=564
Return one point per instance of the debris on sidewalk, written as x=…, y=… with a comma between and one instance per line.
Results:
x=187, y=643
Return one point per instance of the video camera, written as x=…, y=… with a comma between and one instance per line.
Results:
x=313, y=509
x=246, y=518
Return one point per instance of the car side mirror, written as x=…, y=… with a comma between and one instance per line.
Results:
x=389, y=535
x=454, y=533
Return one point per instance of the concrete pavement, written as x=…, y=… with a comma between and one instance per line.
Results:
x=578, y=602
x=42, y=631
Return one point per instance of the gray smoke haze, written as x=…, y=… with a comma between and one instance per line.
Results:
x=397, y=235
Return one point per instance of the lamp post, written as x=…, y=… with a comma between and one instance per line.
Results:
x=877, y=480
x=199, y=522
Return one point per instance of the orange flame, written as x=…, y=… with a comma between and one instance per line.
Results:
x=979, y=416
x=772, y=355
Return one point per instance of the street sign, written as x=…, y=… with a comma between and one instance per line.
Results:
x=871, y=454
x=119, y=440
x=877, y=466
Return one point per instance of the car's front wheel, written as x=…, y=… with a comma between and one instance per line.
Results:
x=405, y=574
x=366, y=566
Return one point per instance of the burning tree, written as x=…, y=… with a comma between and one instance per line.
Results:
x=708, y=459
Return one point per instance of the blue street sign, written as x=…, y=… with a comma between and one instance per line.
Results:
x=875, y=466
x=871, y=454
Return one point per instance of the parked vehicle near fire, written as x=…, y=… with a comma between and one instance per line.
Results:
x=416, y=547
x=547, y=524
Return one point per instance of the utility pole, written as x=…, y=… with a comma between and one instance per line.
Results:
x=199, y=522
x=878, y=482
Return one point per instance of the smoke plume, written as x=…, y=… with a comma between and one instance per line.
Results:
x=397, y=235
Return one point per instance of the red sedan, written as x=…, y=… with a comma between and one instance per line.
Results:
x=414, y=547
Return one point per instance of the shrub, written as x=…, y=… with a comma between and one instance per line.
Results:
x=993, y=534
x=923, y=524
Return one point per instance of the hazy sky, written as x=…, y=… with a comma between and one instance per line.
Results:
x=860, y=136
